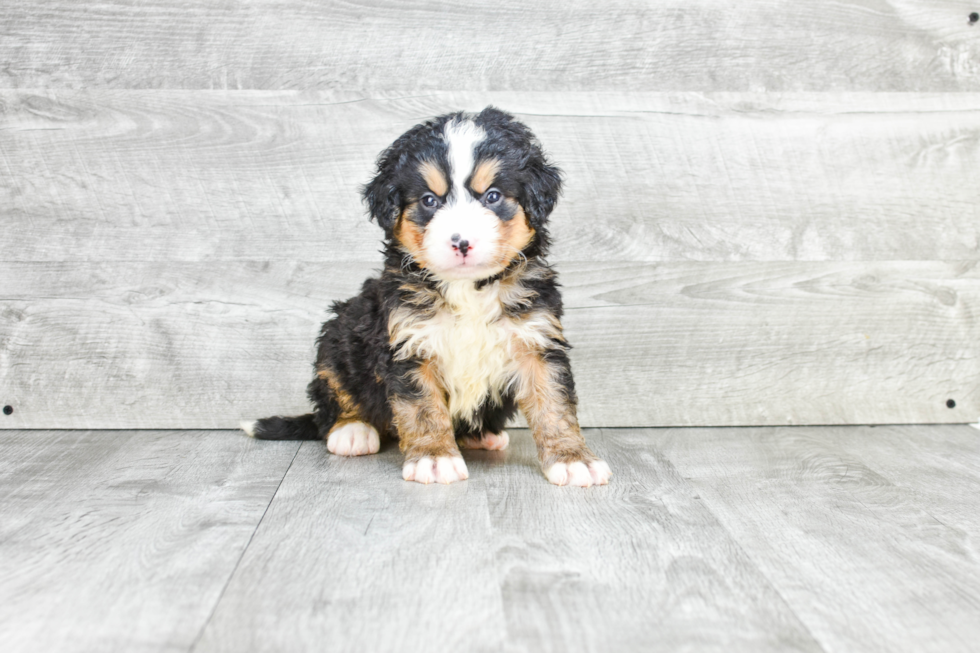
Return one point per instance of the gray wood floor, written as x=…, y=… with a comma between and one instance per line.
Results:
x=742, y=539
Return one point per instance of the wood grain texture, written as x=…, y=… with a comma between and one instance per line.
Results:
x=124, y=541
x=938, y=468
x=638, y=565
x=752, y=539
x=804, y=343
x=863, y=557
x=352, y=558
x=620, y=45
x=203, y=345
x=191, y=175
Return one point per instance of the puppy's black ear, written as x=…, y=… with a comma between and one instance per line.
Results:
x=382, y=198
x=542, y=187
x=512, y=142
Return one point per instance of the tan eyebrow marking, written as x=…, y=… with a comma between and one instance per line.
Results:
x=434, y=178
x=483, y=176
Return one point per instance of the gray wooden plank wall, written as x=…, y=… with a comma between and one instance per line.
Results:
x=771, y=213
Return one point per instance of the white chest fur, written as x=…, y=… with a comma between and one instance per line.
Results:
x=469, y=339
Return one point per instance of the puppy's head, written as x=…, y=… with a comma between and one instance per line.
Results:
x=464, y=194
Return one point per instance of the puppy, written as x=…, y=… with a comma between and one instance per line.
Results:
x=464, y=324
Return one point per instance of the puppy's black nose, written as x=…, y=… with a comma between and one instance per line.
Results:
x=463, y=246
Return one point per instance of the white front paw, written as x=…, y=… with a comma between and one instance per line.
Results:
x=579, y=473
x=441, y=469
x=354, y=439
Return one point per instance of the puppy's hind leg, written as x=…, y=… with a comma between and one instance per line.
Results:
x=487, y=440
x=491, y=435
x=353, y=439
x=340, y=419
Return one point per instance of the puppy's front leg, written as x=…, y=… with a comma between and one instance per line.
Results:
x=546, y=395
x=425, y=430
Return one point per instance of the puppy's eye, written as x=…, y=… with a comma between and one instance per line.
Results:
x=429, y=201
x=492, y=196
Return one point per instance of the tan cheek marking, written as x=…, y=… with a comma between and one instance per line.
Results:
x=434, y=178
x=483, y=176
x=411, y=235
x=515, y=234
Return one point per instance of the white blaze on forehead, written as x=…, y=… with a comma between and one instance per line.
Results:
x=462, y=138
x=463, y=217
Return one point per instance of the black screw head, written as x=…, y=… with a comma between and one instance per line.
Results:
x=8, y=410
x=950, y=403
x=974, y=17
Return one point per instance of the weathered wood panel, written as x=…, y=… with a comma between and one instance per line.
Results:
x=173, y=175
x=638, y=565
x=797, y=343
x=938, y=468
x=862, y=556
x=202, y=345
x=124, y=541
x=834, y=539
x=352, y=557
x=632, y=45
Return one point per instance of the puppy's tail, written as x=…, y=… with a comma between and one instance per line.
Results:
x=301, y=427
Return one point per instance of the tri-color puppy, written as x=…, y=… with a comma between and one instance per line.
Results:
x=464, y=324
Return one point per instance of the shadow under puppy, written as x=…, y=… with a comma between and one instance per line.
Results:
x=464, y=324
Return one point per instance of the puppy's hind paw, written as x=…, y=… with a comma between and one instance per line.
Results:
x=489, y=441
x=441, y=469
x=579, y=473
x=354, y=439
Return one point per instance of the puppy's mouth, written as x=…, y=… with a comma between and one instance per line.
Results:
x=461, y=255
x=466, y=267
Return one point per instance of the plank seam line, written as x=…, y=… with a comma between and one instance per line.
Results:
x=238, y=562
